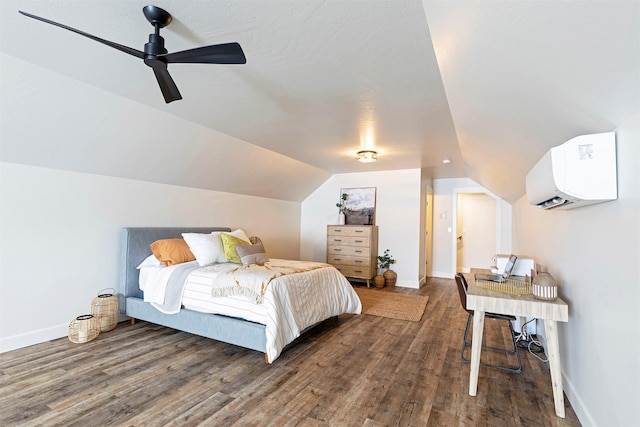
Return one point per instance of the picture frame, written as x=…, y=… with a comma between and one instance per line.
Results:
x=360, y=205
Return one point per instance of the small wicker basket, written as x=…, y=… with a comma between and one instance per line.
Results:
x=544, y=287
x=83, y=329
x=105, y=308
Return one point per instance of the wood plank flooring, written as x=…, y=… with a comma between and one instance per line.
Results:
x=349, y=371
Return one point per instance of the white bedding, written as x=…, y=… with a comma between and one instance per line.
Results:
x=290, y=304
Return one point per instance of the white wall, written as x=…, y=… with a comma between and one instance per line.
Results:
x=397, y=217
x=445, y=193
x=594, y=252
x=60, y=237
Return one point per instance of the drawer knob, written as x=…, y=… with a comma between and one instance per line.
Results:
x=358, y=261
x=358, y=251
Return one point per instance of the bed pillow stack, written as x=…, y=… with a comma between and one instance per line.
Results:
x=207, y=249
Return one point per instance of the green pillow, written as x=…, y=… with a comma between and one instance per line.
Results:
x=229, y=243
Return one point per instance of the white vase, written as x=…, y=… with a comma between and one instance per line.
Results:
x=341, y=219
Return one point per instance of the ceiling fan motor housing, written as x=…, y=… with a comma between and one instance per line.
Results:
x=154, y=48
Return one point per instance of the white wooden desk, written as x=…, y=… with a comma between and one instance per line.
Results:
x=482, y=300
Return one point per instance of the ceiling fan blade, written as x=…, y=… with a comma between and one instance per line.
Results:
x=167, y=85
x=122, y=48
x=226, y=53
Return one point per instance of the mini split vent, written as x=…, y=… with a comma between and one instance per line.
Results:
x=580, y=172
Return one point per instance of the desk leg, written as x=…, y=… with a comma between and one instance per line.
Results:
x=476, y=346
x=551, y=331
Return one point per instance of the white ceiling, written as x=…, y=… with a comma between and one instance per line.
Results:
x=489, y=85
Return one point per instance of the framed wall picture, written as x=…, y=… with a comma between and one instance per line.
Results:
x=360, y=205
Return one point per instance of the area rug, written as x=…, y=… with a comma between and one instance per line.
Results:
x=393, y=305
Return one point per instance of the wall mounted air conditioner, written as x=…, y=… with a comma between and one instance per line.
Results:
x=580, y=172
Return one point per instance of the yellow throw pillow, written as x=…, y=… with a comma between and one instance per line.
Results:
x=172, y=251
x=229, y=243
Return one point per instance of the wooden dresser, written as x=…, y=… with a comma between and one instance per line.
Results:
x=353, y=250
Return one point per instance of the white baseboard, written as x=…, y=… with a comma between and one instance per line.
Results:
x=579, y=407
x=408, y=284
x=35, y=337
x=442, y=274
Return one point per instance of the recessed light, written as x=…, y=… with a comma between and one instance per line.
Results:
x=446, y=161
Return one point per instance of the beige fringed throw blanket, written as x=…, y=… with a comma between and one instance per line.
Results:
x=252, y=280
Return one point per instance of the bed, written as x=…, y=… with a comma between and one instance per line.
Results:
x=283, y=299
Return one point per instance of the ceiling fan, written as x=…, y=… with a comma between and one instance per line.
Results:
x=156, y=56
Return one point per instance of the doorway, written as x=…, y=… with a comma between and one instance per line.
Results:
x=428, y=241
x=475, y=229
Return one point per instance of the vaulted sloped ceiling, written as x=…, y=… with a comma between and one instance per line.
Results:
x=489, y=85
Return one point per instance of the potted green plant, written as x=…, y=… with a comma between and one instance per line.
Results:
x=384, y=262
x=342, y=206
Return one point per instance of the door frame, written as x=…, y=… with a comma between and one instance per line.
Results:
x=454, y=221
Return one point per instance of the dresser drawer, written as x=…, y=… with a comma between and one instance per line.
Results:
x=355, y=272
x=348, y=250
x=352, y=261
x=348, y=241
x=345, y=230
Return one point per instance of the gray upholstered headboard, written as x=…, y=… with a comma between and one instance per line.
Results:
x=135, y=248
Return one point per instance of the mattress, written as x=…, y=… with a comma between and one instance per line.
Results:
x=197, y=295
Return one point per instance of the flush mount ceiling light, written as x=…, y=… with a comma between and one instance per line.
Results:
x=446, y=161
x=367, y=156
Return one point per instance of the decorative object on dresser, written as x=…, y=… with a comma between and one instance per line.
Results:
x=352, y=250
x=359, y=205
x=105, y=308
x=342, y=206
x=385, y=261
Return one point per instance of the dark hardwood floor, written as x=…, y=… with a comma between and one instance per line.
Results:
x=350, y=371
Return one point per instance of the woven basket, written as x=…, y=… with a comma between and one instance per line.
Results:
x=105, y=308
x=83, y=329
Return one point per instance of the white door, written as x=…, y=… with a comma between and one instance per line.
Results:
x=476, y=231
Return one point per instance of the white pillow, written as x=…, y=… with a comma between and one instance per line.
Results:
x=239, y=234
x=150, y=261
x=207, y=248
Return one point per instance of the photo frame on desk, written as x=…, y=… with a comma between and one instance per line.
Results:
x=360, y=205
